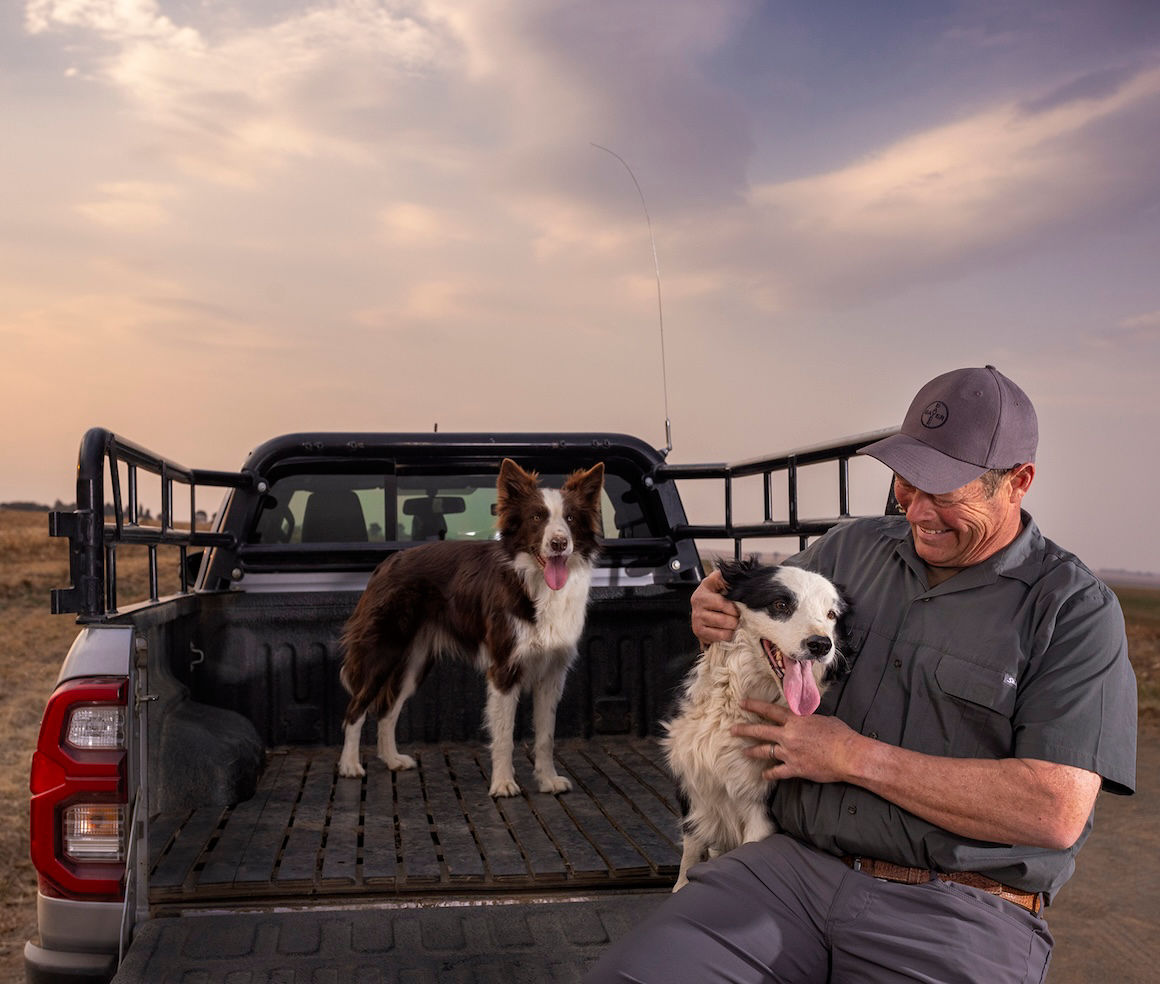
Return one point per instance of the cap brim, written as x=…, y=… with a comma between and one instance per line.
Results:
x=921, y=465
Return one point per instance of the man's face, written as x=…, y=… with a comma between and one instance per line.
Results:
x=966, y=526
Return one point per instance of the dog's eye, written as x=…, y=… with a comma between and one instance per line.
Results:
x=832, y=616
x=781, y=606
x=570, y=519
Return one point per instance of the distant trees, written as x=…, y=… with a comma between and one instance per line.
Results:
x=25, y=506
x=201, y=518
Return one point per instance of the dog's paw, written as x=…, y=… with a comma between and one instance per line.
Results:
x=504, y=787
x=398, y=763
x=351, y=770
x=555, y=784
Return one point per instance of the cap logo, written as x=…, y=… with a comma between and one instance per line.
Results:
x=935, y=415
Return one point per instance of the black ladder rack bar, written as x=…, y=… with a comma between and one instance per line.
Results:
x=92, y=593
x=789, y=462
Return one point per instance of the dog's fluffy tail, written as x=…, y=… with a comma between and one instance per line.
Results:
x=372, y=667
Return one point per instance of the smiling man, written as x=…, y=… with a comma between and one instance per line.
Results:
x=935, y=804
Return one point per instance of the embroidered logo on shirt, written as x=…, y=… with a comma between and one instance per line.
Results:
x=1009, y=681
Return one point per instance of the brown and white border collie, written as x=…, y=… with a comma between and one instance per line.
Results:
x=515, y=606
x=787, y=639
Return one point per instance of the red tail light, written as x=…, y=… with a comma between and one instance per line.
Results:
x=78, y=814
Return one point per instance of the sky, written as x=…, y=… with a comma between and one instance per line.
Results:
x=225, y=220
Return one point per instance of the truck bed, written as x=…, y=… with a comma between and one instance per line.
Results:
x=308, y=834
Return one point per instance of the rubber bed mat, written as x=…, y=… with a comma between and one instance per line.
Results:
x=310, y=834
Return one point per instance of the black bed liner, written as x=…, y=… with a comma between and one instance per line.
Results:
x=308, y=833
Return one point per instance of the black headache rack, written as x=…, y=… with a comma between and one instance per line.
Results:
x=790, y=463
x=454, y=454
x=96, y=528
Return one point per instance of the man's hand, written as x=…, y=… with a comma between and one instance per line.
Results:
x=815, y=747
x=1006, y=801
x=715, y=617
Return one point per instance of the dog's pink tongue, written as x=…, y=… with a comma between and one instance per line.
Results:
x=556, y=572
x=801, y=690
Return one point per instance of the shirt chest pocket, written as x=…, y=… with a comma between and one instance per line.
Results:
x=986, y=696
x=983, y=685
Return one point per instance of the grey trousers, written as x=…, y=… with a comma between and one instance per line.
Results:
x=778, y=911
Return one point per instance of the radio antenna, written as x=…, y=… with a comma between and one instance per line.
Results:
x=660, y=310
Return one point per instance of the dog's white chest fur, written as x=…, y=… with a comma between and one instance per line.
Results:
x=560, y=615
x=727, y=791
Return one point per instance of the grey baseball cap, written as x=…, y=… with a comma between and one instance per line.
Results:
x=960, y=425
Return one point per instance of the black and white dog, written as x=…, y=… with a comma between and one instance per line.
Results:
x=787, y=640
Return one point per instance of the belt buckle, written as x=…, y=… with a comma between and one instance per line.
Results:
x=856, y=864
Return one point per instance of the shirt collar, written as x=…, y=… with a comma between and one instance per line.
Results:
x=1020, y=558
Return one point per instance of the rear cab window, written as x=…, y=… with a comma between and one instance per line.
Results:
x=353, y=508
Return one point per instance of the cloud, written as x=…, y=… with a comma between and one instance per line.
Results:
x=434, y=84
x=121, y=20
x=464, y=129
x=130, y=205
x=411, y=224
x=1142, y=327
x=1101, y=84
x=970, y=191
x=232, y=101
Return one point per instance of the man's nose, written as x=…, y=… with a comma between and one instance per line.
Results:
x=918, y=506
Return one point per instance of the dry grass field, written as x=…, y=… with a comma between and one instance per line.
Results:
x=33, y=643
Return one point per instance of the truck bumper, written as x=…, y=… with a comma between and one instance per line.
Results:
x=43, y=966
x=76, y=941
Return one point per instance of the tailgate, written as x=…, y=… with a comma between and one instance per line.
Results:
x=532, y=941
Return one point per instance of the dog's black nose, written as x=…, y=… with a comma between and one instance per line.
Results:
x=818, y=645
x=559, y=544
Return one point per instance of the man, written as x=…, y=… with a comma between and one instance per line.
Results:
x=936, y=802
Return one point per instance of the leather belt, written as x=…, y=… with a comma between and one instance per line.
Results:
x=1031, y=901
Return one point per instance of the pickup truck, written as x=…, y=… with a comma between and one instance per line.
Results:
x=187, y=818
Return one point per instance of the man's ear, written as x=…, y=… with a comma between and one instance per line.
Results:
x=1021, y=479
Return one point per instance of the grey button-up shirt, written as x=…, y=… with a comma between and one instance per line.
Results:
x=1023, y=655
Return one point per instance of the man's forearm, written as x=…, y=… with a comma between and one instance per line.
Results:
x=1007, y=801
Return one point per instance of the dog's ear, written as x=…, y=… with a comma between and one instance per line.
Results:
x=514, y=482
x=587, y=484
x=735, y=571
x=845, y=661
x=513, y=486
x=749, y=582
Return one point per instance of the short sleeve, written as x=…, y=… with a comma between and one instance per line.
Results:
x=1077, y=702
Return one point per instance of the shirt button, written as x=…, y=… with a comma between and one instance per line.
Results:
x=851, y=810
x=874, y=735
x=898, y=664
